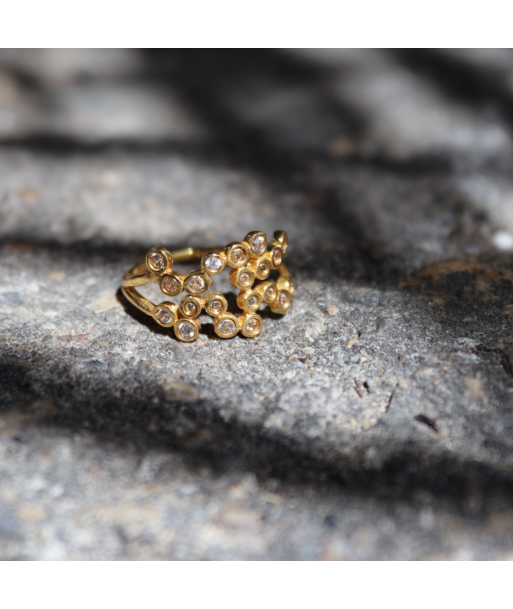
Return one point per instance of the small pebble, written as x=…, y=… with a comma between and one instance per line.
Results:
x=503, y=240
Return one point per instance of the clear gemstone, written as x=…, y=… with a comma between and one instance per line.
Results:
x=238, y=255
x=284, y=300
x=197, y=283
x=190, y=308
x=270, y=293
x=277, y=257
x=163, y=316
x=227, y=326
x=213, y=264
x=157, y=261
x=263, y=268
x=245, y=278
x=171, y=285
x=216, y=305
x=258, y=245
x=253, y=326
x=253, y=302
x=185, y=330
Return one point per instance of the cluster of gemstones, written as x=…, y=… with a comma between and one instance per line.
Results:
x=251, y=260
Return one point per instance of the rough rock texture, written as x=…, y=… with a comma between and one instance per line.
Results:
x=373, y=421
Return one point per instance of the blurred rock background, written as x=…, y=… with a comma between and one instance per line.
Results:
x=374, y=421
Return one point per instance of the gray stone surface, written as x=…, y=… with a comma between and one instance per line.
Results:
x=374, y=421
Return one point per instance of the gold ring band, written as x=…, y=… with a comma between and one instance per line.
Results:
x=251, y=260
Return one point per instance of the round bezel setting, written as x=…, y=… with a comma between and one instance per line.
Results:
x=226, y=325
x=268, y=291
x=281, y=240
x=242, y=278
x=249, y=300
x=213, y=298
x=263, y=268
x=190, y=307
x=159, y=260
x=169, y=280
x=197, y=282
x=237, y=254
x=276, y=257
x=165, y=314
x=213, y=263
x=187, y=330
x=257, y=241
x=252, y=325
x=282, y=303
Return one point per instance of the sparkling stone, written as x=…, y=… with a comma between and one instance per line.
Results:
x=197, y=284
x=185, y=330
x=157, y=261
x=171, y=285
x=258, y=245
x=253, y=302
x=277, y=257
x=245, y=278
x=263, y=268
x=216, y=306
x=253, y=326
x=284, y=300
x=213, y=264
x=270, y=293
x=190, y=308
x=227, y=326
x=238, y=255
x=163, y=316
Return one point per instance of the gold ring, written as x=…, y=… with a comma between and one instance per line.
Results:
x=251, y=260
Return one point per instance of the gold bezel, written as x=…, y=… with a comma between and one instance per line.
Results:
x=215, y=296
x=256, y=262
x=167, y=259
x=276, y=306
x=250, y=238
x=195, y=323
x=171, y=308
x=197, y=303
x=221, y=318
x=235, y=278
x=244, y=324
x=205, y=276
x=173, y=275
x=262, y=290
x=229, y=250
x=244, y=296
x=274, y=251
x=286, y=283
x=281, y=240
x=220, y=255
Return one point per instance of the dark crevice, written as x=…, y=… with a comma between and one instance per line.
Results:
x=425, y=420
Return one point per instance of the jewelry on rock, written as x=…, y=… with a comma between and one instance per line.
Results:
x=251, y=260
